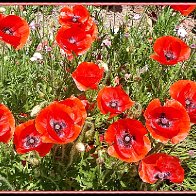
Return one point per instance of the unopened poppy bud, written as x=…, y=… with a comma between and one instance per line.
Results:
x=102, y=64
x=89, y=134
x=2, y=9
x=80, y=147
x=35, y=110
x=100, y=160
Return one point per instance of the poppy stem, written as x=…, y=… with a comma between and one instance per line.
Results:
x=157, y=148
x=157, y=185
x=7, y=182
x=3, y=63
x=172, y=148
x=72, y=153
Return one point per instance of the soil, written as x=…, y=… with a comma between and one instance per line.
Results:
x=116, y=14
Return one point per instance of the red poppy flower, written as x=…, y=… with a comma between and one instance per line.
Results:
x=127, y=140
x=26, y=139
x=56, y=124
x=184, y=91
x=168, y=122
x=78, y=14
x=73, y=40
x=78, y=109
x=170, y=50
x=91, y=28
x=161, y=166
x=113, y=100
x=87, y=76
x=7, y=124
x=14, y=30
x=184, y=9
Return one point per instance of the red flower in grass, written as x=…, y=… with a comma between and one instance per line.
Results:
x=184, y=9
x=26, y=139
x=7, y=124
x=113, y=100
x=169, y=50
x=168, y=122
x=184, y=91
x=87, y=76
x=14, y=30
x=78, y=108
x=56, y=123
x=127, y=140
x=161, y=166
x=78, y=14
x=73, y=40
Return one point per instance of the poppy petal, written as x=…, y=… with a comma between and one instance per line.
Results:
x=26, y=139
x=160, y=166
x=184, y=9
x=56, y=124
x=167, y=123
x=7, y=124
x=78, y=42
x=78, y=109
x=14, y=30
x=78, y=14
x=113, y=100
x=184, y=91
x=127, y=140
x=87, y=75
x=169, y=50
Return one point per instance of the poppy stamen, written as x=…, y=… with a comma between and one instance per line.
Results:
x=31, y=141
x=162, y=175
x=75, y=18
x=189, y=104
x=128, y=139
x=163, y=121
x=8, y=30
x=113, y=104
x=72, y=40
x=58, y=127
x=169, y=55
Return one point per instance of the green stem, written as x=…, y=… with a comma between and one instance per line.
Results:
x=7, y=182
x=157, y=148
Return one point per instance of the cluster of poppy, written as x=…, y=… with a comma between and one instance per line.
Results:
x=127, y=138
x=58, y=123
x=78, y=30
x=61, y=122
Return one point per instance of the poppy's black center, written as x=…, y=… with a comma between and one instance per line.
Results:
x=75, y=18
x=128, y=139
x=169, y=55
x=58, y=127
x=113, y=104
x=72, y=40
x=162, y=175
x=31, y=141
x=163, y=121
x=8, y=30
x=189, y=104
